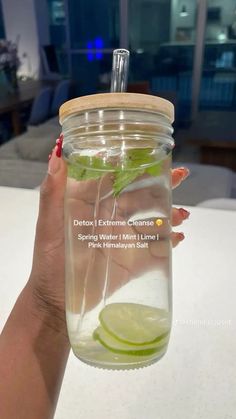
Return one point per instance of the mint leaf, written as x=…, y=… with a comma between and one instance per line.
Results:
x=135, y=158
x=85, y=167
x=154, y=170
x=123, y=178
x=131, y=166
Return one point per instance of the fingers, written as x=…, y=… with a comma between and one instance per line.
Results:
x=91, y=190
x=178, y=175
x=179, y=215
x=154, y=194
x=176, y=238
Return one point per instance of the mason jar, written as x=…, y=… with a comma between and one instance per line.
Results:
x=118, y=149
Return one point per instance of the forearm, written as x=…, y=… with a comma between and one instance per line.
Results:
x=33, y=356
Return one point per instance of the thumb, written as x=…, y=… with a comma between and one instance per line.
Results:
x=50, y=225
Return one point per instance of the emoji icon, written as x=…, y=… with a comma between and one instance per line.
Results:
x=159, y=222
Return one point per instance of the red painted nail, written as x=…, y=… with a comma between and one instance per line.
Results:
x=59, y=149
x=184, y=213
x=60, y=139
x=59, y=146
x=181, y=236
x=184, y=171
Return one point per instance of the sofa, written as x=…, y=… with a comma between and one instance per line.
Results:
x=23, y=160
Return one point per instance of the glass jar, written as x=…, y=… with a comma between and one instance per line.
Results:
x=118, y=150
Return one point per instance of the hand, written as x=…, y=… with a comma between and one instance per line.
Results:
x=48, y=271
x=102, y=270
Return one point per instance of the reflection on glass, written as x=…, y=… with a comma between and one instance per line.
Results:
x=2, y=30
x=92, y=74
x=57, y=30
x=218, y=77
x=162, y=42
x=57, y=12
x=94, y=24
x=94, y=33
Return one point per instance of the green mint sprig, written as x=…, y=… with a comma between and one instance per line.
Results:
x=85, y=167
x=131, y=166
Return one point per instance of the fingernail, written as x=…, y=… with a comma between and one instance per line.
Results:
x=54, y=162
x=49, y=157
x=184, y=213
x=181, y=236
x=184, y=171
x=59, y=143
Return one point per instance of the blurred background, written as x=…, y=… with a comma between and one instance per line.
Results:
x=182, y=50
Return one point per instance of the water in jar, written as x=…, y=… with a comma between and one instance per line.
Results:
x=118, y=250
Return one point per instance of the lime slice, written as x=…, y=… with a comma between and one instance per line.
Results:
x=135, y=324
x=117, y=346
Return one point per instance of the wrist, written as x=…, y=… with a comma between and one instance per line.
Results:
x=46, y=311
x=34, y=354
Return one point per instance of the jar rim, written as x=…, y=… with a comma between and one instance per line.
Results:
x=126, y=101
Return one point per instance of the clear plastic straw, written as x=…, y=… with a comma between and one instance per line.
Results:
x=120, y=70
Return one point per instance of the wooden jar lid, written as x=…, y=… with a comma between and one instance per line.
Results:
x=124, y=101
